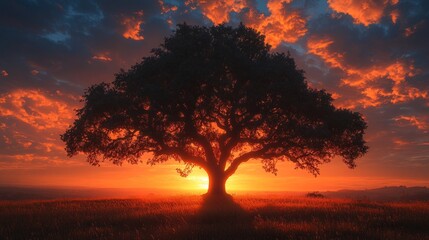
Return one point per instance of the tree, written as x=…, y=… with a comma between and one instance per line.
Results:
x=214, y=98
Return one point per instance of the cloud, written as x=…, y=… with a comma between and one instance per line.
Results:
x=319, y=46
x=420, y=123
x=283, y=24
x=378, y=83
x=166, y=7
x=218, y=11
x=104, y=57
x=31, y=122
x=364, y=12
x=394, y=15
x=132, y=25
x=35, y=109
x=94, y=29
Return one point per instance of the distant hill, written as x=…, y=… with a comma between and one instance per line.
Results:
x=46, y=193
x=395, y=193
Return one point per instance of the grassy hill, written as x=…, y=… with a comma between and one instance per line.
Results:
x=391, y=193
x=191, y=217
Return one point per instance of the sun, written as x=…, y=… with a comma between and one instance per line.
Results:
x=198, y=181
x=201, y=182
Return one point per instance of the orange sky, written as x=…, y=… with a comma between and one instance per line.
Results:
x=371, y=55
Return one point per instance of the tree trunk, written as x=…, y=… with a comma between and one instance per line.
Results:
x=217, y=184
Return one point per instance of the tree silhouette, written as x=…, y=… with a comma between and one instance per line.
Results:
x=214, y=98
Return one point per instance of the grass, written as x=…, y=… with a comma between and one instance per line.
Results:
x=247, y=217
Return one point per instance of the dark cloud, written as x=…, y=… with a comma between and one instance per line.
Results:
x=60, y=40
x=32, y=16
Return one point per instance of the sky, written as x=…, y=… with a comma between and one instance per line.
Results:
x=372, y=55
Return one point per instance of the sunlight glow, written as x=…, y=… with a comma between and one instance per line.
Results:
x=202, y=182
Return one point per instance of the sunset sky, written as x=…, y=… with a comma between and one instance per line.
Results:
x=372, y=55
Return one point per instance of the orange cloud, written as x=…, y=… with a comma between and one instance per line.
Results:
x=394, y=15
x=36, y=109
x=364, y=78
x=170, y=22
x=280, y=25
x=400, y=143
x=419, y=123
x=165, y=8
x=396, y=71
x=363, y=11
x=4, y=73
x=33, y=161
x=47, y=116
x=412, y=29
x=319, y=46
x=191, y=4
x=409, y=31
x=27, y=157
x=102, y=57
x=218, y=11
x=132, y=26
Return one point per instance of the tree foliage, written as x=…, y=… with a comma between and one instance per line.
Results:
x=214, y=97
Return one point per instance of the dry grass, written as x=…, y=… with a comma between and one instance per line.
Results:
x=192, y=218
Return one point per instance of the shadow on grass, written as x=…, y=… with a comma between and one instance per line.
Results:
x=218, y=218
x=221, y=209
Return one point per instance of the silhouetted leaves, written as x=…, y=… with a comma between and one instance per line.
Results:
x=215, y=97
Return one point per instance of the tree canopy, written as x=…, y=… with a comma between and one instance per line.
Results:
x=214, y=97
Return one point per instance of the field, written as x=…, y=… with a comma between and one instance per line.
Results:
x=191, y=217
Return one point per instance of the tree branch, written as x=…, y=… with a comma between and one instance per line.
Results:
x=243, y=158
x=201, y=140
x=226, y=150
x=185, y=156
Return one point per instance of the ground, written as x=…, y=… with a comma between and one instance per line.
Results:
x=192, y=217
